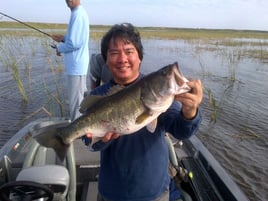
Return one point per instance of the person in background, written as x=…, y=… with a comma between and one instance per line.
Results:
x=99, y=71
x=74, y=46
x=135, y=167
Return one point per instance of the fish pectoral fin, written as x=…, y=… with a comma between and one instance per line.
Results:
x=142, y=117
x=152, y=126
x=89, y=101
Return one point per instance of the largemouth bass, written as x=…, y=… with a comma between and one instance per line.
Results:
x=123, y=111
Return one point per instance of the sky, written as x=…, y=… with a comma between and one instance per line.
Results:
x=210, y=14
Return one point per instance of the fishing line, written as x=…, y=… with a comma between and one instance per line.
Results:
x=26, y=24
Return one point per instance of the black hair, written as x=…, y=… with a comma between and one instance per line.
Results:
x=127, y=32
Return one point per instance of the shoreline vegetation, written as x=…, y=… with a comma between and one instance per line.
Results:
x=45, y=96
x=146, y=32
x=232, y=45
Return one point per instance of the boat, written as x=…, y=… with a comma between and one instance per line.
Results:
x=29, y=171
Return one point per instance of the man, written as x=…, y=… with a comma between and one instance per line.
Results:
x=135, y=167
x=74, y=46
x=99, y=71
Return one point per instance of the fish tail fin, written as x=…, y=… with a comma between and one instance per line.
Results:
x=60, y=148
x=51, y=138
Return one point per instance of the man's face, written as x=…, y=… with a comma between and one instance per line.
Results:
x=72, y=3
x=123, y=61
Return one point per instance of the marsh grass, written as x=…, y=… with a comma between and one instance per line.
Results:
x=59, y=97
x=224, y=42
x=97, y=31
x=216, y=105
x=52, y=99
x=36, y=112
x=233, y=57
x=9, y=57
x=245, y=134
x=213, y=105
x=55, y=96
x=16, y=75
x=212, y=39
x=259, y=54
x=16, y=57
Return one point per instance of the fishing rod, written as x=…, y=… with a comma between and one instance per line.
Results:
x=25, y=24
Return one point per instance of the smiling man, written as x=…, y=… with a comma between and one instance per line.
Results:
x=135, y=167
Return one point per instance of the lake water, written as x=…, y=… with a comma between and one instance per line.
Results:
x=235, y=105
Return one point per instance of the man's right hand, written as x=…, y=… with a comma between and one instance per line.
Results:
x=57, y=38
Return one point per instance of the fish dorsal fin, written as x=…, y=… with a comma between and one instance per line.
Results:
x=115, y=89
x=152, y=126
x=89, y=101
x=92, y=99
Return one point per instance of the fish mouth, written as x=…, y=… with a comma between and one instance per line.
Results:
x=181, y=81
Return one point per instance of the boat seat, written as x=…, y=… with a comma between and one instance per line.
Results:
x=92, y=191
x=55, y=176
x=39, y=156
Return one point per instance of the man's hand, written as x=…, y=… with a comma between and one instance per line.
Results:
x=107, y=137
x=57, y=52
x=57, y=38
x=191, y=100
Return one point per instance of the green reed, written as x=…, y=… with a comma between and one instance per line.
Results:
x=233, y=57
x=59, y=97
x=55, y=96
x=218, y=41
x=11, y=60
x=216, y=105
x=16, y=75
x=16, y=56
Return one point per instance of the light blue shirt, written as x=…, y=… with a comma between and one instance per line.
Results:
x=75, y=45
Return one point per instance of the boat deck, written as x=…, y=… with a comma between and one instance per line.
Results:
x=88, y=163
x=83, y=156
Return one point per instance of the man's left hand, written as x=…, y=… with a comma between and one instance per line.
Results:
x=191, y=100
